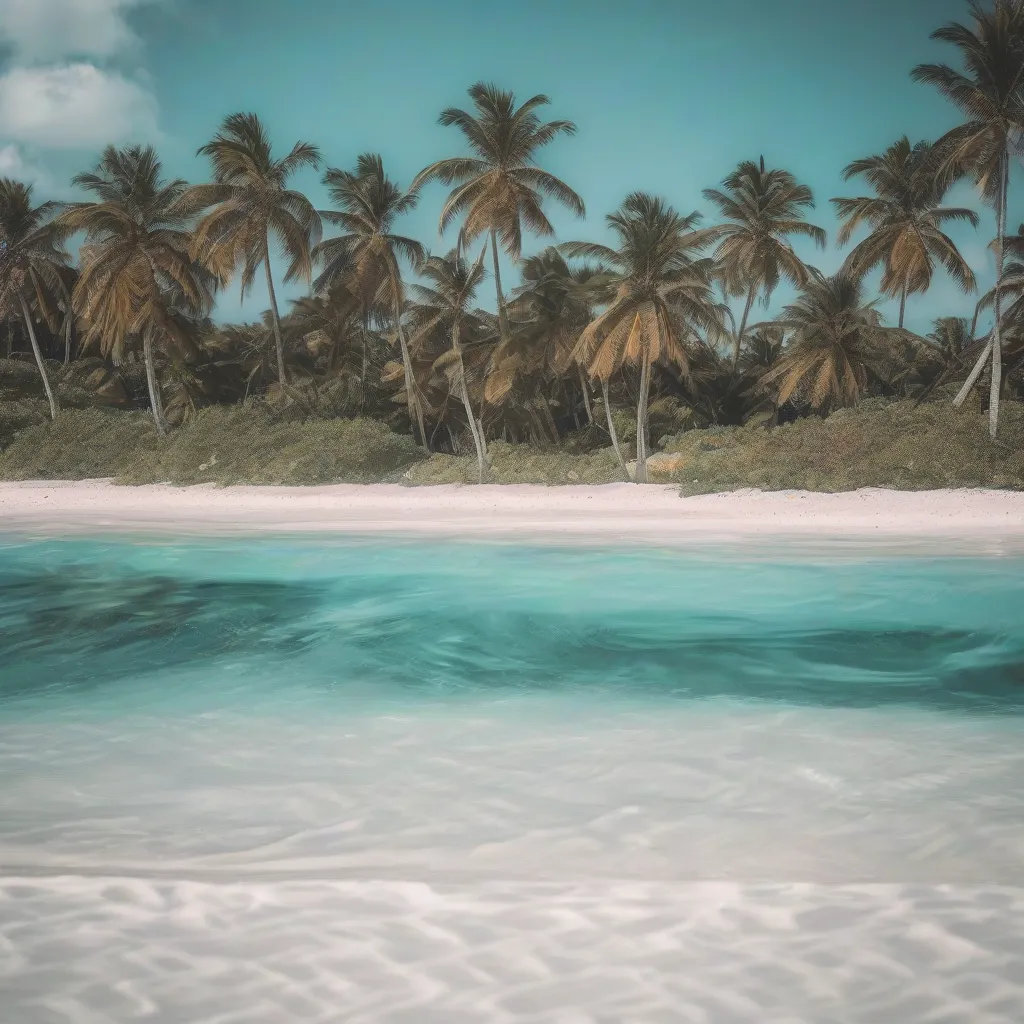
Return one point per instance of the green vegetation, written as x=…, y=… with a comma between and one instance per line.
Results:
x=595, y=353
x=240, y=445
x=880, y=443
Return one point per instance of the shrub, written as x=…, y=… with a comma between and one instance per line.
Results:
x=878, y=444
x=222, y=445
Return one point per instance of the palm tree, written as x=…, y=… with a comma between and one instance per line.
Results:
x=368, y=253
x=1011, y=287
x=327, y=321
x=446, y=305
x=248, y=201
x=548, y=312
x=663, y=295
x=500, y=188
x=137, y=269
x=835, y=338
x=764, y=208
x=990, y=95
x=949, y=342
x=32, y=259
x=905, y=217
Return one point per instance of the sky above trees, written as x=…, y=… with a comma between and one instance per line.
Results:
x=668, y=95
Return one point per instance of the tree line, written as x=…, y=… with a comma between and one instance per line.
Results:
x=391, y=330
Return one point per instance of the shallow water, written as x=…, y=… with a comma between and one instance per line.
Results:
x=274, y=781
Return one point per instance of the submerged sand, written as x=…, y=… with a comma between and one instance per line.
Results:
x=984, y=520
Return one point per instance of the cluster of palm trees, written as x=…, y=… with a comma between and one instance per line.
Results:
x=587, y=325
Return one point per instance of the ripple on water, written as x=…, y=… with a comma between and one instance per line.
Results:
x=285, y=781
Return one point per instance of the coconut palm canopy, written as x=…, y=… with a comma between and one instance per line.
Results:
x=836, y=335
x=763, y=210
x=33, y=265
x=905, y=220
x=648, y=311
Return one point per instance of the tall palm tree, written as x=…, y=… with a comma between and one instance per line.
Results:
x=663, y=296
x=446, y=304
x=990, y=95
x=500, y=188
x=32, y=262
x=368, y=253
x=247, y=202
x=905, y=217
x=835, y=338
x=137, y=270
x=763, y=209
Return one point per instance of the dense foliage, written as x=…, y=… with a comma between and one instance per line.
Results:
x=391, y=333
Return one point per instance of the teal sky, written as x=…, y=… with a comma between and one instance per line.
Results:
x=668, y=95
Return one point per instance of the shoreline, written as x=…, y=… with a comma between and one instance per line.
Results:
x=989, y=521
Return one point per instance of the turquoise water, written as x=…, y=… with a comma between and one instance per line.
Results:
x=316, y=622
x=273, y=780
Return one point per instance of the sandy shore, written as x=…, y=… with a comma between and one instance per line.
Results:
x=979, y=520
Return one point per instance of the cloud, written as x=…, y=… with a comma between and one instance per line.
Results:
x=74, y=106
x=49, y=30
x=13, y=164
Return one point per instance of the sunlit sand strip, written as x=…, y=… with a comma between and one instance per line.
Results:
x=981, y=521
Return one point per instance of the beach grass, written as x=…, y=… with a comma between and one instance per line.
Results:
x=220, y=445
x=878, y=444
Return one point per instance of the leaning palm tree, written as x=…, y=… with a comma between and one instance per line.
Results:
x=32, y=265
x=500, y=188
x=764, y=208
x=137, y=272
x=446, y=305
x=247, y=202
x=835, y=339
x=990, y=95
x=367, y=255
x=905, y=217
x=663, y=297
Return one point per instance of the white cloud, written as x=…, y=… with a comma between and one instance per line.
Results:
x=48, y=30
x=14, y=165
x=11, y=163
x=74, y=106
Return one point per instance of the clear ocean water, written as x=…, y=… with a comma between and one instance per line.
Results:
x=273, y=781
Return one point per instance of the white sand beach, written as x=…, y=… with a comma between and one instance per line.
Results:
x=983, y=520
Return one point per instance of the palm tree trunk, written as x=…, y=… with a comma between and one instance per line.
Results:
x=275, y=316
x=903, y=304
x=975, y=374
x=38, y=354
x=997, y=340
x=154, y=389
x=412, y=396
x=641, y=420
x=478, y=438
x=502, y=316
x=974, y=320
x=738, y=341
x=365, y=364
x=68, y=321
x=611, y=428
x=549, y=421
x=586, y=394
x=538, y=429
